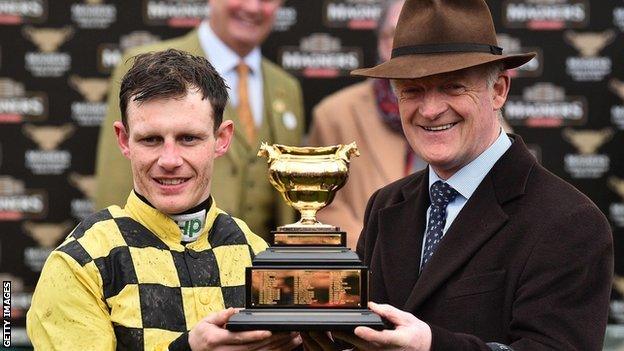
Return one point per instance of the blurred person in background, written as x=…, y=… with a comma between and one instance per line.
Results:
x=265, y=105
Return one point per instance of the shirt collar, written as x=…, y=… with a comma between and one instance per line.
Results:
x=467, y=179
x=222, y=58
x=163, y=226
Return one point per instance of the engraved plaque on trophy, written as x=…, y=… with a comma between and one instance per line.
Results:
x=308, y=279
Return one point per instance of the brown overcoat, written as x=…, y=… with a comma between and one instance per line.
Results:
x=351, y=115
x=528, y=261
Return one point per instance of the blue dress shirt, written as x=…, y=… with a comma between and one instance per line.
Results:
x=467, y=179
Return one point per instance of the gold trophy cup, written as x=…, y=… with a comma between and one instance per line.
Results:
x=308, y=279
x=308, y=178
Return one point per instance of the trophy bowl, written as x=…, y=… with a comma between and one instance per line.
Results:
x=308, y=178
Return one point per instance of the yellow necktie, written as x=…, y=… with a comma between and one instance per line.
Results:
x=244, y=108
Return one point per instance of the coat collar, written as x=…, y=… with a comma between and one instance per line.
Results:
x=402, y=226
x=163, y=227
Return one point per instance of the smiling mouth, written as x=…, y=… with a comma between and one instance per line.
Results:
x=248, y=22
x=174, y=181
x=439, y=128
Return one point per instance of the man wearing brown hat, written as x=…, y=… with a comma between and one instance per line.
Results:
x=485, y=249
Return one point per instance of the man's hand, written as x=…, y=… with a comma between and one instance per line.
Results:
x=410, y=333
x=210, y=335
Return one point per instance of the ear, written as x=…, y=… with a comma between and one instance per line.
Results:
x=500, y=89
x=123, y=138
x=223, y=137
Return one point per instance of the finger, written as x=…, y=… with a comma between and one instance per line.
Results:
x=381, y=338
x=391, y=313
x=212, y=337
x=221, y=317
x=246, y=337
x=354, y=340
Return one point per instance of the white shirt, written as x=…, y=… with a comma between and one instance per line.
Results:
x=225, y=61
x=467, y=179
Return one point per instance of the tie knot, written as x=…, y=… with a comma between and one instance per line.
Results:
x=442, y=194
x=242, y=69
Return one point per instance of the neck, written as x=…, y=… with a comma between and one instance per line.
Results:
x=240, y=49
x=202, y=205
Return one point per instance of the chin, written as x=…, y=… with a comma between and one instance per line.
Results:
x=170, y=208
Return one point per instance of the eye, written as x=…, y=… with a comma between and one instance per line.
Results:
x=409, y=92
x=189, y=139
x=150, y=140
x=454, y=88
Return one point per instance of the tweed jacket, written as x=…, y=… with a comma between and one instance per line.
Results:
x=239, y=177
x=351, y=115
x=528, y=261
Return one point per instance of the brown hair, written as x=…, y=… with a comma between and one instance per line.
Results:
x=170, y=74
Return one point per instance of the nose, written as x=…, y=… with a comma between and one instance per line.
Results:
x=169, y=157
x=432, y=105
x=252, y=5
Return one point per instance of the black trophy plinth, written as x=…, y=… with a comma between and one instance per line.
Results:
x=308, y=280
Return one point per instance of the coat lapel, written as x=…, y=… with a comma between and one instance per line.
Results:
x=484, y=216
x=277, y=106
x=400, y=237
x=239, y=143
x=383, y=150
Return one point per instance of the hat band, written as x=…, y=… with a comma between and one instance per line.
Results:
x=442, y=48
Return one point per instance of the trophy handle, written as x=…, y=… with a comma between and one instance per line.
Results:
x=345, y=152
x=269, y=151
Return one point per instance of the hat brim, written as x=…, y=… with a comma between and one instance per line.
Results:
x=424, y=65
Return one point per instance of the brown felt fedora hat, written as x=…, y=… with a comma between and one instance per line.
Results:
x=439, y=36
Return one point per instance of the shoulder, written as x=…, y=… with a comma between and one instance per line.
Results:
x=342, y=103
x=184, y=42
x=94, y=236
x=278, y=75
x=180, y=43
x=96, y=223
x=356, y=92
x=548, y=190
x=548, y=207
x=228, y=230
x=517, y=175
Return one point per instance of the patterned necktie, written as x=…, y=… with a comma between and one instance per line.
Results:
x=244, y=107
x=441, y=195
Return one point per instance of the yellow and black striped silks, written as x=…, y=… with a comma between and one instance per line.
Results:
x=122, y=280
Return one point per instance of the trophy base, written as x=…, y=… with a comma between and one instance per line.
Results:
x=303, y=320
x=313, y=256
x=299, y=238
x=319, y=228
